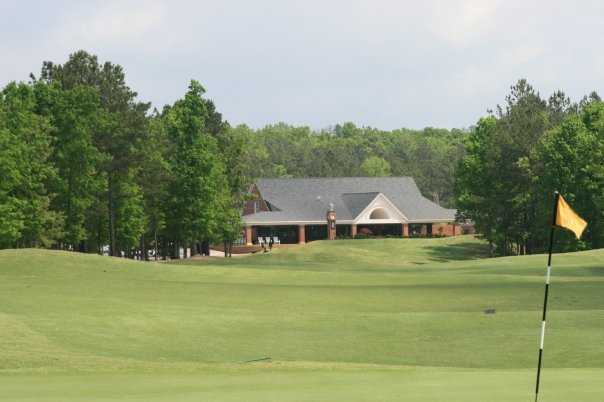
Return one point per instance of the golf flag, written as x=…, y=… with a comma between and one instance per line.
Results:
x=563, y=217
x=568, y=219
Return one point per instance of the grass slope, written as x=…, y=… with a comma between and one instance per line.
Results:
x=362, y=320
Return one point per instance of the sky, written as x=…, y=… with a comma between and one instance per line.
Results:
x=379, y=63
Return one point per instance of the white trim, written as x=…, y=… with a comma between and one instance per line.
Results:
x=371, y=206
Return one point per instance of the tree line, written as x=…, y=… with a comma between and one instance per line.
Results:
x=428, y=155
x=86, y=166
x=518, y=155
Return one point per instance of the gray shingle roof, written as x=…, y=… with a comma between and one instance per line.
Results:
x=303, y=200
x=357, y=202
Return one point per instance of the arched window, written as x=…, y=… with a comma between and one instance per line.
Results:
x=379, y=213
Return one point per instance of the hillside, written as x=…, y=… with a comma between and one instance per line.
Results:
x=345, y=320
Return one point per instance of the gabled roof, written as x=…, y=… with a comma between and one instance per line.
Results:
x=357, y=202
x=307, y=200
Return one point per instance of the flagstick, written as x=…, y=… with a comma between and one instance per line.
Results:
x=547, y=277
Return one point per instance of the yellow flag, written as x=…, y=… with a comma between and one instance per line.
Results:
x=568, y=219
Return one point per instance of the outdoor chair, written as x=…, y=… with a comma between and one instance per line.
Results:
x=276, y=240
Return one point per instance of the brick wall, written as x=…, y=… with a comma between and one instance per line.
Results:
x=257, y=204
x=445, y=229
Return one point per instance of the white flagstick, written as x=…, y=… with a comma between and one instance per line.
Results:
x=547, y=279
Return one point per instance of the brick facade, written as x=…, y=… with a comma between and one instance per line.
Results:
x=445, y=229
x=256, y=204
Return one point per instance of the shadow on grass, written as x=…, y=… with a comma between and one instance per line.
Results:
x=457, y=252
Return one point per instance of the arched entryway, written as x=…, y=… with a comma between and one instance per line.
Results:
x=379, y=213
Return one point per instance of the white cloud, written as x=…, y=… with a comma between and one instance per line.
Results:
x=111, y=23
x=463, y=22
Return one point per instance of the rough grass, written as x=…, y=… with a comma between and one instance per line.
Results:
x=366, y=320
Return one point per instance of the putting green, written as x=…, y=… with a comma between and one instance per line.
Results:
x=364, y=320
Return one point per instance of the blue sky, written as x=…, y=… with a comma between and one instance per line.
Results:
x=386, y=64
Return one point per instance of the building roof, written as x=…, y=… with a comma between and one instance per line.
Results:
x=308, y=200
x=357, y=202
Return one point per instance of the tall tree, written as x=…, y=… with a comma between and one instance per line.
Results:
x=26, y=219
x=476, y=187
x=496, y=180
x=154, y=177
x=118, y=137
x=199, y=190
x=571, y=158
x=75, y=114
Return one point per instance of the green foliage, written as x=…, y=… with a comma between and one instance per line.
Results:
x=200, y=206
x=129, y=213
x=517, y=158
x=153, y=177
x=75, y=114
x=25, y=149
x=118, y=129
x=84, y=166
x=570, y=157
x=475, y=187
x=374, y=166
x=428, y=155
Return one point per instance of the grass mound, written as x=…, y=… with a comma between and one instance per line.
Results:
x=364, y=320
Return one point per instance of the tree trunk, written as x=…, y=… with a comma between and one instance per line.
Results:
x=143, y=249
x=112, y=242
x=155, y=244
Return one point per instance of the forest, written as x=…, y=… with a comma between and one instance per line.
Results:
x=518, y=155
x=87, y=166
x=429, y=155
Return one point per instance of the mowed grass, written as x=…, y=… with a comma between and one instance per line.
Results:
x=364, y=320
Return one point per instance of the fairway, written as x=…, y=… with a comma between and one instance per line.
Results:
x=362, y=320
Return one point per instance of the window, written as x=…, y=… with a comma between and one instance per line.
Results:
x=379, y=213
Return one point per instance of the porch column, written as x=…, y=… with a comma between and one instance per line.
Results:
x=301, y=234
x=405, y=230
x=353, y=230
x=248, y=235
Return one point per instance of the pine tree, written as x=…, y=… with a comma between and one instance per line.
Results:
x=117, y=137
x=26, y=219
x=75, y=115
x=200, y=193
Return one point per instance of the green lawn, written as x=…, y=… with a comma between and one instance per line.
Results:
x=364, y=320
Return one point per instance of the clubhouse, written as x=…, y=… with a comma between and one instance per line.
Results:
x=302, y=210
